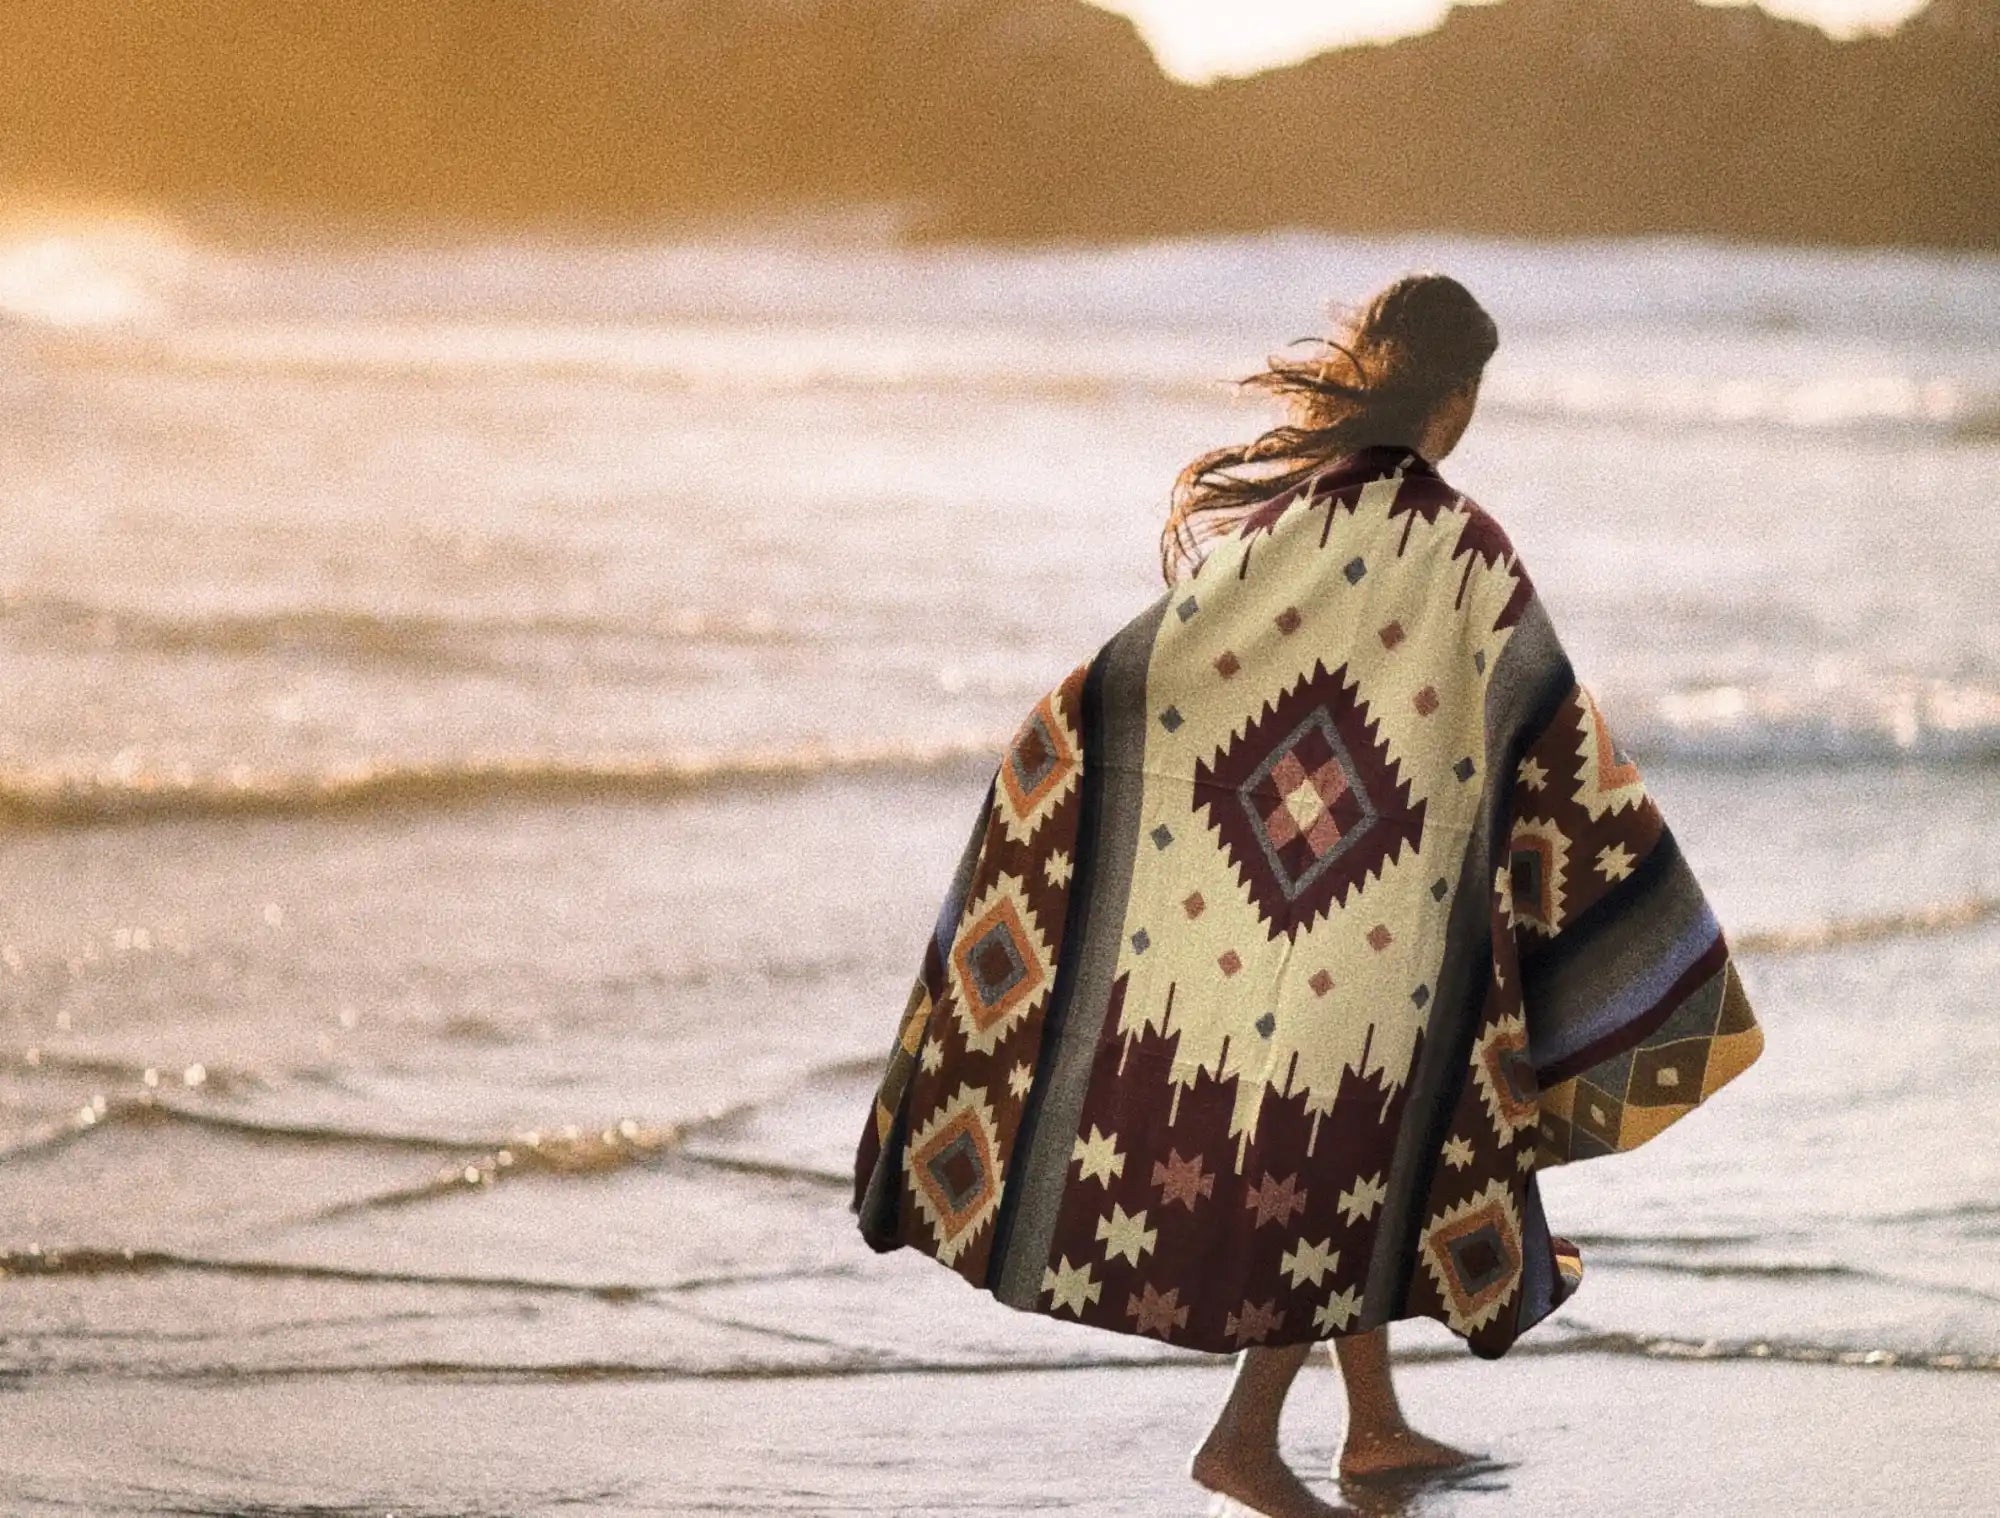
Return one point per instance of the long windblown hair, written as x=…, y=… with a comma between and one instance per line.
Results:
x=1385, y=370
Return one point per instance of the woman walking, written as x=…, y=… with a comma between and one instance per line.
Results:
x=1300, y=926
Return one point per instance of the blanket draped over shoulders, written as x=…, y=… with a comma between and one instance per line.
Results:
x=1299, y=927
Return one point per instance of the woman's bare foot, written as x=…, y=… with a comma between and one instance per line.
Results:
x=1257, y=1478
x=1396, y=1452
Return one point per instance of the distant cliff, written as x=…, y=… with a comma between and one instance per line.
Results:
x=1011, y=118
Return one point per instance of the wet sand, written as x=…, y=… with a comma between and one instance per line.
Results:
x=1578, y=1433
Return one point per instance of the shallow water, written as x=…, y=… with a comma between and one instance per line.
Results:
x=487, y=728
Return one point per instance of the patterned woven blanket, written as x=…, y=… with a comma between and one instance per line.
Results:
x=1300, y=926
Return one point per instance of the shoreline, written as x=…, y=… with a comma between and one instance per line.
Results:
x=1646, y=1436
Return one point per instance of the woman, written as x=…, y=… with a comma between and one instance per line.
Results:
x=1301, y=925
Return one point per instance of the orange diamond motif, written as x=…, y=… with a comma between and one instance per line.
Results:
x=1307, y=801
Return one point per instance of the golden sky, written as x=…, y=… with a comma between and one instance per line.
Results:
x=1199, y=39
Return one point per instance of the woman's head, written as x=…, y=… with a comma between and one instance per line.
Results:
x=1401, y=369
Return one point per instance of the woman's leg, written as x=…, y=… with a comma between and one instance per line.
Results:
x=1239, y=1458
x=1379, y=1441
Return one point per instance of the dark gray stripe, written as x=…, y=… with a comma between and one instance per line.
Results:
x=1529, y=680
x=1115, y=765
x=953, y=906
x=1621, y=969
x=1538, y=1266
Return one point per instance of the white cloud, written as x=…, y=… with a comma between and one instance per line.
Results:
x=1202, y=39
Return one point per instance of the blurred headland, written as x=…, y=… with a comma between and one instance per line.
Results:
x=1007, y=119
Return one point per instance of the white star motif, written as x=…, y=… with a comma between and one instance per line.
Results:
x=1362, y=1201
x=1614, y=862
x=1020, y=1078
x=1339, y=1310
x=1309, y=1262
x=1458, y=1153
x=932, y=1057
x=1099, y=1156
x=1072, y=1285
x=1533, y=776
x=1057, y=869
x=1127, y=1236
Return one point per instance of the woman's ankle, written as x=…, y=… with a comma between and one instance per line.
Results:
x=1232, y=1432
x=1375, y=1429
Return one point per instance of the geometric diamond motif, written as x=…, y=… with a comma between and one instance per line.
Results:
x=1307, y=801
x=1537, y=862
x=1473, y=1253
x=1599, y=1115
x=1040, y=769
x=1506, y=1076
x=953, y=1171
x=1608, y=781
x=1668, y=1074
x=1000, y=965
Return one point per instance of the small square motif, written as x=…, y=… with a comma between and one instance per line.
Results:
x=1439, y=887
x=1379, y=937
x=1230, y=962
x=1194, y=906
x=1321, y=983
x=1171, y=719
x=1162, y=836
x=1227, y=664
x=1426, y=701
x=1463, y=769
x=1187, y=608
x=1288, y=620
x=1356, y=568
x=1140, y=942
x=1267, y=1024
x=1479, y=661
x=1391, y=635
x=1421, y=995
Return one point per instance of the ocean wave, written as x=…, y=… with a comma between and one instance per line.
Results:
x=105, y=1112
x=850, y=1362
x=1867, y=720
x=466, y=1161
x=1804, y=1271
x=1839, y=932
x=1866, y=403
x=67, y=799
x=426, y=641
x=778, y=359
x=87, y=1260
x=1174, y=317
x=1726, y=726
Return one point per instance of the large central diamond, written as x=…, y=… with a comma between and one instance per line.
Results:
x=1307, y=801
